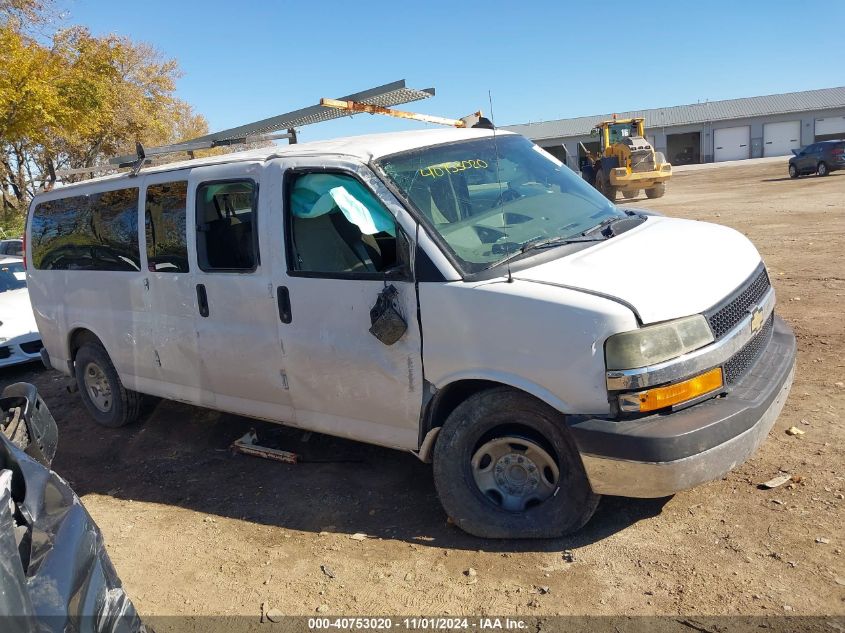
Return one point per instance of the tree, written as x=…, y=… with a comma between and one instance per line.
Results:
x=73, y=100
x=22, y=12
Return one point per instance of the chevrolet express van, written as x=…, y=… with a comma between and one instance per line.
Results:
x=456, y=293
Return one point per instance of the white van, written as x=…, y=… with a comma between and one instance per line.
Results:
x=455, y=293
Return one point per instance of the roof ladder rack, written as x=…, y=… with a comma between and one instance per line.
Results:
x=378, y=100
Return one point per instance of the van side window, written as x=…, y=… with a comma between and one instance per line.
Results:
x=226, y=233
x=89, y=232
x=164, y=219
x=337, y=225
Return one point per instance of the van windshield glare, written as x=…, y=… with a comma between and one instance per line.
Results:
x=488, y=197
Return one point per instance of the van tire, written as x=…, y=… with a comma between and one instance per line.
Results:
x=121, y=405
x=492, y=418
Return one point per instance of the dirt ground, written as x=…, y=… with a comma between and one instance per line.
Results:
x=195, y=530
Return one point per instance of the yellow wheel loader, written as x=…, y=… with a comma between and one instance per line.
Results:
x=626, y=161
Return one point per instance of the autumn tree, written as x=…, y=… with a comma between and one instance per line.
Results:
x=73, y=99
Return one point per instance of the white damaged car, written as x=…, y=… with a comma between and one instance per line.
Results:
x=19, y=338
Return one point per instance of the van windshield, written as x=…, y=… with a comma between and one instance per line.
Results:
x=488, y=197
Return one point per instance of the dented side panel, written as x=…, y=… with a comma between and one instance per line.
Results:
x=343, y=380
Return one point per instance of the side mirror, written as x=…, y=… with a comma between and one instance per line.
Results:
x=388, y=322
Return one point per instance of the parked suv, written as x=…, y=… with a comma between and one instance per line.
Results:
x=456, y=293
x=819, y=158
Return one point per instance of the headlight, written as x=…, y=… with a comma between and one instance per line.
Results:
x=657, y=343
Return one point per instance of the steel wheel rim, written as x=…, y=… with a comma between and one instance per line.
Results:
x=515, y=473
x=822, y=169
x=97, y=387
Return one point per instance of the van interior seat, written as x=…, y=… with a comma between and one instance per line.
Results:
x=420, y=193
x=324, y=247
x=229, y=244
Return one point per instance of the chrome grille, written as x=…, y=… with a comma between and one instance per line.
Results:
x=742, y=361
x=725, y=316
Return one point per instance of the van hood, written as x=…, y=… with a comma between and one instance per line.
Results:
x=16, y=317
x=665, y=268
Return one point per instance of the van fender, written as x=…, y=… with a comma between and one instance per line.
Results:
x=72, y=331
x=431, y=428
x=510, y=380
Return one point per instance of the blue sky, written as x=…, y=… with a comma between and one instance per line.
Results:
x=248, y=60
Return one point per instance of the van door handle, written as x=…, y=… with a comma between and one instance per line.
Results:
x=283, y=301
x=202, y=300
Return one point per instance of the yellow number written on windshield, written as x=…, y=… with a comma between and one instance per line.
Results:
x=436, y=171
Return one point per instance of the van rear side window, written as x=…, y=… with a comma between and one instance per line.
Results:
x=90, y=232
x=226, y=227
x=164, y=219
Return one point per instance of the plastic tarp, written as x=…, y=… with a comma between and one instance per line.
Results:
x=314, y=195
x=55, y=574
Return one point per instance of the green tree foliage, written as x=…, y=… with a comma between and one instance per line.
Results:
x=70, y=99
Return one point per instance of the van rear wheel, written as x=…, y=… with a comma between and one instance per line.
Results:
x=506, y=467
x=102, y=392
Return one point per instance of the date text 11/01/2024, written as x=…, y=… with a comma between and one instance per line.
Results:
x=416, y=623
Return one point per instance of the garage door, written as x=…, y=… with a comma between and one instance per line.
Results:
x=830, y=128
x=779, y=139
x=731, y=143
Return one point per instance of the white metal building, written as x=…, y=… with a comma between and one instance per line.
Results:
x=713, y=131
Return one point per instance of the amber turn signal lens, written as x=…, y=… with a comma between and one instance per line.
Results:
x=662, y=397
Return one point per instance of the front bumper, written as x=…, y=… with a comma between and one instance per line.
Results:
x=22, y=349
x=661, y=454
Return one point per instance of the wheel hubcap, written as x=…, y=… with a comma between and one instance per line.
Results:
x=98, y=388
x=514, y=473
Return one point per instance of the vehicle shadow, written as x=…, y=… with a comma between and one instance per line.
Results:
x=832, y=174
x=180, y=456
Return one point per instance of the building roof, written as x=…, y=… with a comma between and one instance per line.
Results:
x=808, y=100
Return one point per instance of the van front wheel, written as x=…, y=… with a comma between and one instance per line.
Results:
x=506, y=467
x=105, y=397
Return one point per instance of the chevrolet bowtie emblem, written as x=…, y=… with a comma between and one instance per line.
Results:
x=756, y=319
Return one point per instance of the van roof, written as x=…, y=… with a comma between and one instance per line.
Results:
x=364, y=148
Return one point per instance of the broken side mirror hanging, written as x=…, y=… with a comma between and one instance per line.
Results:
x=388, y=324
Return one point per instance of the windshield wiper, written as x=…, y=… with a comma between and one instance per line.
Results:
x=607, y=223
x=549, y=242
